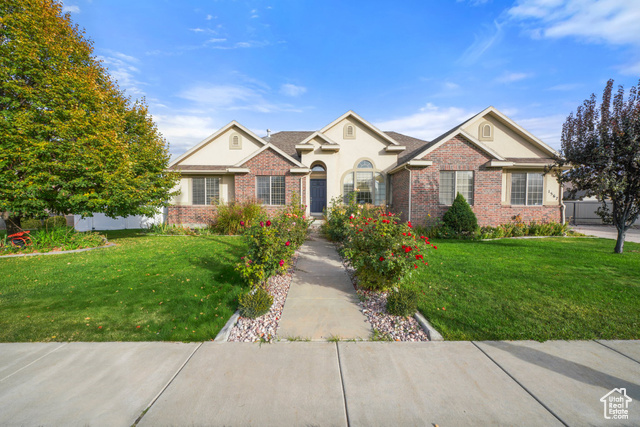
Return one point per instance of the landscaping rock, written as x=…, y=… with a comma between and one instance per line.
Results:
x=264, y=328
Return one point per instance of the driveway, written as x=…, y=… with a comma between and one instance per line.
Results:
x=608, y=232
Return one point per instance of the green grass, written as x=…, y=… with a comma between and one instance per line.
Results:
x=540, y=289
x=173, y=288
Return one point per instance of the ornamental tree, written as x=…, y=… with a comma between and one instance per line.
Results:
x=601, y=149
x=71, y=141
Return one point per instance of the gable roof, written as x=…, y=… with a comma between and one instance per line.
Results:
x=287, y=140
x=457, y=130
x=213, y=136
x=270, y=147
x=375, y=130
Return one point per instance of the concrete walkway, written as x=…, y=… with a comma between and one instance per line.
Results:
x=316, y=383
x=322, y=302
x=608, y=232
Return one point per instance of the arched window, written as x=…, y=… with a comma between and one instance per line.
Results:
x=485, y=132
x=349, y=131
x=368, y=184
x=318, y=168
x=235, y=141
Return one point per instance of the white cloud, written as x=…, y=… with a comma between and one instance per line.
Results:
x=632, y=69
x=429, y=122
x=547, y=128
x=121, y=67
x=209, y=17
x=70, y=9
x=292, y=90
x=512, y=77
x=451, y=86
x=184, y=131
x=566, y=87
x=481, y=44
x=610, y=21
x=234, y=97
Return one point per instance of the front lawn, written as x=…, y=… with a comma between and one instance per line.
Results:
x=147, y=288
x=540, y=289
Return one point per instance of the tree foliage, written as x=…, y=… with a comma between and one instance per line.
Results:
x=601, y=148
x=72, y=142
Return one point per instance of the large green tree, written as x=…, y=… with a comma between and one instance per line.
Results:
x=601, y=148
x=71, y=141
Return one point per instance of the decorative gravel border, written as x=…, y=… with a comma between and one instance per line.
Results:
x=385, y=326
x=264, y=328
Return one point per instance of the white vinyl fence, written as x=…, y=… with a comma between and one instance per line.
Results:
x=101, y=222
x=583, y=212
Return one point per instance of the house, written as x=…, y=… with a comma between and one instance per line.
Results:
x=496, y=164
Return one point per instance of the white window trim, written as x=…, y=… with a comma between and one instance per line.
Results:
x=455, y=186
x=373, y=172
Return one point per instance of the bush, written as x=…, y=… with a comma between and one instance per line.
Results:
x=171, y=230
x=383, y=250
x=55, y=221
x=402, y=302
x=232, y=218
x=338, y=217
x=460, y=218
x=62, y=238
x=30, y=224
x=255, y=303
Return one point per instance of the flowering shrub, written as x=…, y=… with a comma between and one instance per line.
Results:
x=271, y=243
x=339, y=216
x=383, y=250
x=233, y=217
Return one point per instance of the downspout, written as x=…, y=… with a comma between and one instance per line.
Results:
x=407, y=168
x=563, y=207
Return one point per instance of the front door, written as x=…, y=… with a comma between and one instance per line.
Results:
x=318, y=195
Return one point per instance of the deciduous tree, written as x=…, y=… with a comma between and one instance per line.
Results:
x=71, y=141
x=601, y=148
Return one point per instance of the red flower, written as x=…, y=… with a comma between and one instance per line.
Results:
x=268, y=223
x=360, y=229
x=407, y=249
x=281, y=262
x=415, y=266
x=138, y=327
x=422, y=237
x=288, y=243
x=404, y=234
x=435, y=247
x=241, y=223
x=409, y=224
x=381, y=259
x=419, y=256
x=261, y=223
x=99, y=327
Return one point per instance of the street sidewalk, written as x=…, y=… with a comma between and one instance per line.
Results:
x=318, y=383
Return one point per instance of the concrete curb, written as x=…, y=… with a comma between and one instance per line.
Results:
x=59, y=252
x=224, y=333
x=426, y=326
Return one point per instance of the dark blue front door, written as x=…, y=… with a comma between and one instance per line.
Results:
x=318, y=195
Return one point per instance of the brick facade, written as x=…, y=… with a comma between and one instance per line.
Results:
x=459, y=154
x=270, y=163
x=266, y=163
x=195, y=215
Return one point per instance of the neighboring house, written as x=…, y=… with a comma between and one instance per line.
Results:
x=497, y=165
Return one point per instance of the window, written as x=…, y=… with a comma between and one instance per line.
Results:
x=318, y=168
x=485, y=132
x=454, y=182
x=526, y=188
x=270, y=190
x=235, y=141
x=205, y=191
x=349, y=131
x=369, y=185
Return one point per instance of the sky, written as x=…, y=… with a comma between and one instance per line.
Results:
x=414, y=67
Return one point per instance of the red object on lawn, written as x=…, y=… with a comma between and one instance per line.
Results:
x=20, y=239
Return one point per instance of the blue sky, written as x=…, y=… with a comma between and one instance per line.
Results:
x=415, y=67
